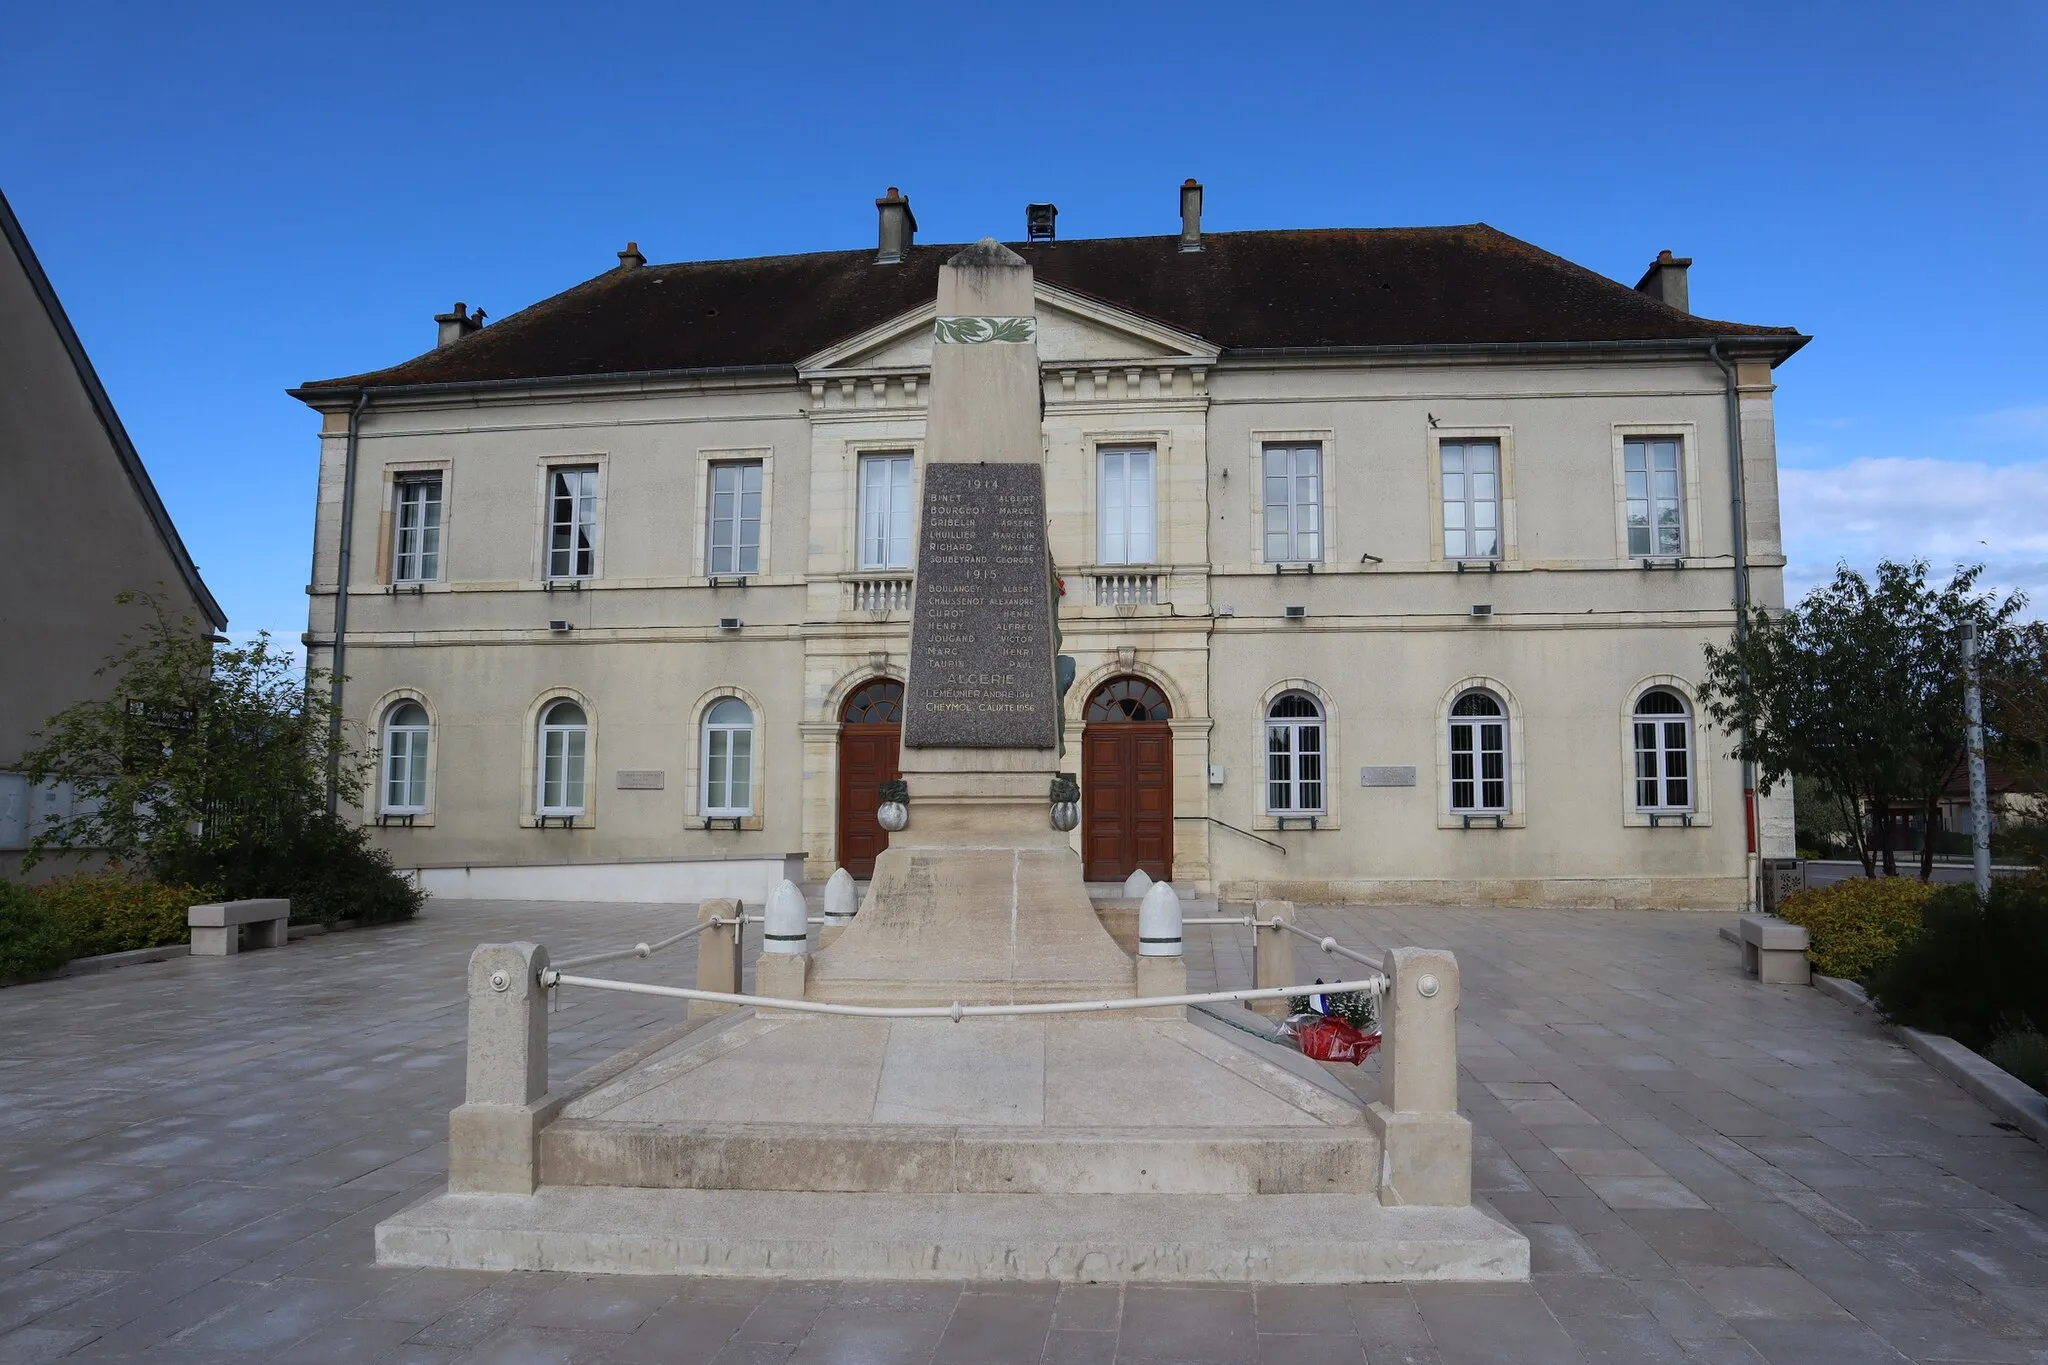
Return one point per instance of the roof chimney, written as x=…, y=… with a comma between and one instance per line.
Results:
x=630, y=258
x=899, y=227
x=1664, y=281
x=457, y=325
x=1038, y=221
x=1190, y=215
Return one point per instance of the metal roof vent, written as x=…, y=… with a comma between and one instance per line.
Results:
x=1038, y=221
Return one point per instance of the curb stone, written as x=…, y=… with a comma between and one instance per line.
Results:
x=2004, y=1094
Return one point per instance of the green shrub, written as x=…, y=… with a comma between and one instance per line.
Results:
x=325, y=866
x=1974, y=972
x=32, y=941
x=112, y=912
x=2023, y=1056
x=1855, y=926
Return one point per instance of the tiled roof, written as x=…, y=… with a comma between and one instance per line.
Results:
x=1245, y=291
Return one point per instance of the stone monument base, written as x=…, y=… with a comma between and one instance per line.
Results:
x=1274, y=1239
x=979, y=900
x=996, y=1149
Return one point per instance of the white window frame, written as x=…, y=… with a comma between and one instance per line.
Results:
x=1295, y=728
x=1700, y=814
x=1503, y=438
x=878, y=545
x=593, y=524
x=1661, y=494
x=1515, y=815
x=543, y=745
x=417, y=752
x=1662, y=725
x=739, y=468
x=422, y=563
x=1467, y=501
x=1692, y=521
x=1475, y=731
x=1116, y=523
x=712, y=732
x=1292, y=532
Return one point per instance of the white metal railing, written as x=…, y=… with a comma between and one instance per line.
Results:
x=644, y=949
x=1372, y=985
x=878, y=594
x=1126, y=589
x=1330, y=945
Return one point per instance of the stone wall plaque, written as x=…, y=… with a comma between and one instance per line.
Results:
x=981, y=657
x=1386, y=777
x=641, y=779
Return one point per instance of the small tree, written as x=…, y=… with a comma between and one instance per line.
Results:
x=209, y=766
x=198, y=750
x=1860, y=687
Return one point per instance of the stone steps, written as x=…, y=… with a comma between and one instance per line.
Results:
x=936, y=1159
x=1265, y=1239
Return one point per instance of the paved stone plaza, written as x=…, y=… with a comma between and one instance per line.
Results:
x=195, y=1152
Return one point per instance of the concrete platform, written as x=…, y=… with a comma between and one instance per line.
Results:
x=1030, y=1105
x=1270, y=1239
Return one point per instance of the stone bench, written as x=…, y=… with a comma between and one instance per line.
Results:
x=1774, y=952
x=216, y=929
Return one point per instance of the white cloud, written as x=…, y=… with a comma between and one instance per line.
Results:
x=1946, y=512
x=2027, y=421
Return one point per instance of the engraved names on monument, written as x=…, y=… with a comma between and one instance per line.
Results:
x=981, y=667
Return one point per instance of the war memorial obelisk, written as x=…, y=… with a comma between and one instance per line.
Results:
x=1139, y=1144
x=979, y=898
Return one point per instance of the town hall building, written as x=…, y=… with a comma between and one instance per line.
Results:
x=1387, y=560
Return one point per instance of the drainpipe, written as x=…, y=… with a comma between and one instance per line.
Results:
x=348, y=529
x=1739, y=524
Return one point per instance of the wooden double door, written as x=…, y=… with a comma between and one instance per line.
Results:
x=870, y=746
x=1126, y=783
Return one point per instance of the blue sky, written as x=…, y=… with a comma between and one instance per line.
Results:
x=233, y=199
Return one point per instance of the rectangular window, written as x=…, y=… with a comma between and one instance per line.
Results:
x=1471, y=474
x=885, y=508
x=735, y=541
x=1656, y=521
x=418, y=550
x=1124, y=506
x=572, y=523
x=1294, y=504
x=561, y=772
x=728, y=771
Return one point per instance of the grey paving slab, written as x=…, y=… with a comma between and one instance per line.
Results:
x=193, y=1153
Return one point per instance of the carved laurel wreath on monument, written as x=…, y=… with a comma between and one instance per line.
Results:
x=968, y=331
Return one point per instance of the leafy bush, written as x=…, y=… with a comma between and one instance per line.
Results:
x=1974, y=972
x=32, y=941
x=1855, y=926
x=2023, y=1056
x=326, y=866
x=111, y=912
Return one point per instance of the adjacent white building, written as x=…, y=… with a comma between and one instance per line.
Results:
x=1388, y=556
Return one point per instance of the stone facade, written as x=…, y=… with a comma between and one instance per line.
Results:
x=1380, y=628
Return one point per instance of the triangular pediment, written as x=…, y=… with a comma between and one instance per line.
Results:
x=1072, y=329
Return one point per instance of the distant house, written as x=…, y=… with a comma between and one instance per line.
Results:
x=81, y=522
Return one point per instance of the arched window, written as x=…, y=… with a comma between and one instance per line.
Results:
x=878, y=703
x=1479, y=754
x=1294, y=755
x=1663, y=725
x=405, y=759
x=1127, y=699
x=564, y=744
x=729, y=758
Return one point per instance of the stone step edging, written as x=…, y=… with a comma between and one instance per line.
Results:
x=1998, y=1090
